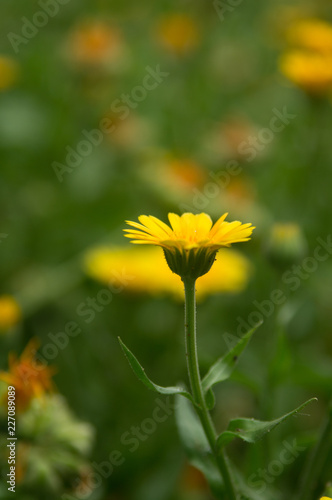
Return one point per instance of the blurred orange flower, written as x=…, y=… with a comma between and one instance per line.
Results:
x=193, y=481
x=96, y=43
x=30, y=378
x=173, y=177
x=178, y=33
x=183, y=172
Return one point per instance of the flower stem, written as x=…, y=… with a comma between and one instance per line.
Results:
x=196, y=386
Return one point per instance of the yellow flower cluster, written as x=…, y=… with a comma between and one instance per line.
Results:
x=308, y=61
x=230, y=272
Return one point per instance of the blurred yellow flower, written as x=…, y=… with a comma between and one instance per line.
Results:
x=8, y=72
x=325, y=498
x=230, y=272
x=10, y=312
x=309, y=70
x=313, y=34
x=178, y=33
x=30, y=378
x=95, y=42
x=308, y=60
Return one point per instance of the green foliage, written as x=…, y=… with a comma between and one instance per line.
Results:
x=224, y=367
x=212, y=110
x=141, y=375
x=196, y=444
x=251, y=430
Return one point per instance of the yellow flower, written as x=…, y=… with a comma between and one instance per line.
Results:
x=30, y=378
x=178, y=33
x=308, y=61
x=8, y=72
x=10, y=312
x=326, y=498
x=191, y=243
x=309, y=70
x=130, y=267
x=312, y=34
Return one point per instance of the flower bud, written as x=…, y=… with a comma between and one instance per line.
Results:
x=286, y=244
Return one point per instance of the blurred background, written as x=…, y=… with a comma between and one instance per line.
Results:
x=110, y=110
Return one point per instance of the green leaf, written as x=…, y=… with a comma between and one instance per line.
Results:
x=196, y=445
x=251, y=430
x=210, y=399
x=140, y=373
x=223, y=368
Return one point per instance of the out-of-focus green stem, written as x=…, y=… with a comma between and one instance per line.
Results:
x=316, y=461
x=196, y=386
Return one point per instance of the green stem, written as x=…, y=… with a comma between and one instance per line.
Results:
x=316, y=461
x=196, y=386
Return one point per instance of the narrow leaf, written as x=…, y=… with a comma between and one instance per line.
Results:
x=251, y=430
x=223, y=368
x=140, y=373
x=210, y=399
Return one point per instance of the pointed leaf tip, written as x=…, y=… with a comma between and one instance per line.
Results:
x=141, y=375
x=251, y=430
x=223, y=367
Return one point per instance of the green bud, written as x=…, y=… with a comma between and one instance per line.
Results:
x=286, y=244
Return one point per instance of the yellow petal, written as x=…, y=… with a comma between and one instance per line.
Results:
x=153, y=227
x=203, y=226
